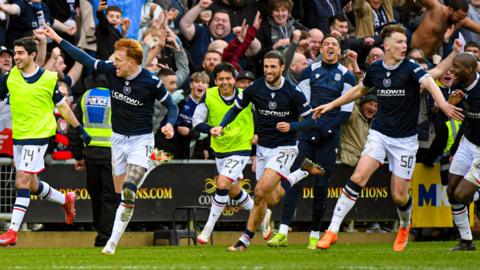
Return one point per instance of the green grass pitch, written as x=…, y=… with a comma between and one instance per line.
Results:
x=341, y=256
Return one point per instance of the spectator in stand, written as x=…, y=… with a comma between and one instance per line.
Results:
x=474, y=48
x=200, y=35
x=107, y=29
x=429, y=35
x=185, y=139
x=56, y=64
x=218, y=45
x=6, y=142
x=238, y=10
x=375, y=53
x=474, y=15
x=28, y=16
x=169, y=80
x=295, y=62
x=210, y=61
x=276, y=30
x=3, y=24
x=339, y=29
x=164, y=45
x=6, y=59
x=315, y=13
x=64, y=11
x=354, y=132
x=244, y=79
x=244, y=36
x=353, y=137
x=205, y=16
x=87, y=39
x=316, y=37
x=150, y=11
x=60, y=149
x=372, y=15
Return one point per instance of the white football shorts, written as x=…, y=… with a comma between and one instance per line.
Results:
x=279, y=159
x=400, y=152
x=232, y=166
x=130, y=150
x=466, y=161
x=29, y=158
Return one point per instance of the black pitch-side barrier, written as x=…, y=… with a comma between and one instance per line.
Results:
x=193, y=184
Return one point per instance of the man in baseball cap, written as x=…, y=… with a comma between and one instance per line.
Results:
x=6, y=59
x=244, y=79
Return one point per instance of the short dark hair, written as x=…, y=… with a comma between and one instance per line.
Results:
x=388, y=30
x=221, y=11
x=166, y=72
x=224, y=67
x=472, y=44
x=274, y=54
x=340, y=18
x=331, y=36
x=459, y=5
x=114, y=8
x=468, y=60
x=28, y=43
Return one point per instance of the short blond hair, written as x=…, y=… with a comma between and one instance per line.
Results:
x=200, y=77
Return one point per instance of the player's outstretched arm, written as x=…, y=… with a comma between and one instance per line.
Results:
x=69, y=116
x=172, y=115
x=73, y=51
x=450, y=110
x=352, y=94
x=227, y=119
x=445, y=64
x=305, y=124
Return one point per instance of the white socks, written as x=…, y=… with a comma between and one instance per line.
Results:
x=19, y=208
x=46, y=192
x=460, y=217
x=296, y=176
x=219, y=202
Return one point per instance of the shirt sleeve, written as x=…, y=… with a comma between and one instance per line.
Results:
x=159, y=91
x=348, y=83
x=57, y=97
x=68, y=80
x=244, y=98
x=303, y=107
x=104, y=66
x=304, y=84
x=417, y=71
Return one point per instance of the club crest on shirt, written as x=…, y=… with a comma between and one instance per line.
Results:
x=337, y=77
x=387, y=82
x=127, y=89
x=272, y=105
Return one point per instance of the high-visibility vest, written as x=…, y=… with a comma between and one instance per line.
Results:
x=453, y=127
x=96, y=108
x=32, y=105
x=237, y=136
